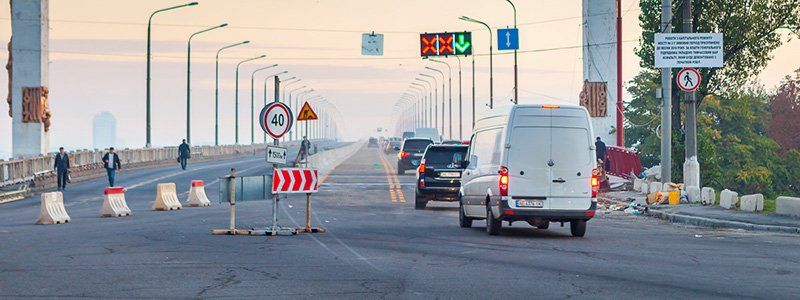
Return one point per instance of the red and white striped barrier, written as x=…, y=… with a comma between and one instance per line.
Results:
x=294, y=181
x=197, y=194
x=114, y=204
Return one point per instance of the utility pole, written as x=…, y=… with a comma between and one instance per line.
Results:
x=620, y=108
x=666, y=103
x=473, y=91
x=460, y=112
x=691, y=167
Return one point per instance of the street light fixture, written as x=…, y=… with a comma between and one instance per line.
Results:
x=431, y=100
x=435, y=95
x=237, y=93
x=516, y=87
x=265, y=93
x=491, y=53
x=189, y=81
x=450, y=91
x=252, y=101
x=216, y=90
x=441, y=73
x=149, y=25
x=422, y=89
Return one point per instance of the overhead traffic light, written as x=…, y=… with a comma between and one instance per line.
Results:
x=443, y=44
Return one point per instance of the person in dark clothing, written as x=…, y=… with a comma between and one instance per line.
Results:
x=112, y=164
x=184, y=153
x=305, y=146
x=62, y=168
x=600, y=149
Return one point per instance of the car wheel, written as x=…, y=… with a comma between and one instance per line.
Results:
x=544, y=225
x=419, y=202
x=577, y=228
x=463, y=220
x=493, y=225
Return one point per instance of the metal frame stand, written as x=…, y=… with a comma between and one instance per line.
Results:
x=232, y=200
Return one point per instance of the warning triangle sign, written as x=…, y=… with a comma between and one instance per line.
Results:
x=306, y=113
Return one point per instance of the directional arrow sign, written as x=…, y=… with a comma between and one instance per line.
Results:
x=294, y=180
x=444, y=44
x=508, y=39
x=463, y=43
x=276, y=155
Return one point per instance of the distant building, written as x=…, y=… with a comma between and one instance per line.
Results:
x=104, y=130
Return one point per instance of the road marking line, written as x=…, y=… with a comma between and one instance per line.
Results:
x=395, y=188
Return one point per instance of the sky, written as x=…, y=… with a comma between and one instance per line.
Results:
x=97, y=54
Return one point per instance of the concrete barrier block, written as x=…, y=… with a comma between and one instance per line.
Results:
x=637, y=184
x=709, y=196
x=645, y=188
x=788, y=206
x=52, y=209
x=752, y=203
x=694, y=194
x=166, y=197
x=197, y=194
x=728, y=199
x=114, y=204
x=656, y=187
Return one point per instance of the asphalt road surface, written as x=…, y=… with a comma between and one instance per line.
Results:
x=377, y=246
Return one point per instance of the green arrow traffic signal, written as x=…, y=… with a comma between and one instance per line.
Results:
x=463, y=43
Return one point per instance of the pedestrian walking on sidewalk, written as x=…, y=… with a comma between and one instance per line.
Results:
x=184, y=154
x=61, y=167
x=112, y=164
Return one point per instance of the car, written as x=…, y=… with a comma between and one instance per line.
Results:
x=430, y=133
x=532, y=163
x=451, y=142
x=439, y=174
x=373, y=143
x=411, y=154
x=392, y=146
x=408, y=134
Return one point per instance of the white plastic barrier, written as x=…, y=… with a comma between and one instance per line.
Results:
x=728, y=199
x=637, y=184
x=166, y=197
x=52, y=209
x=197, y=194
x=645, y=188
x=114, y=204
x=694, y=194
x=709, y=196
x=656, y=187
x=752, y=203
x=789, y=206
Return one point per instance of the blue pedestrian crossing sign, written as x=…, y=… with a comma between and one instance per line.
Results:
x=508, y=39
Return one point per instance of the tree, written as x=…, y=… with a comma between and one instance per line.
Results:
x=784, y=125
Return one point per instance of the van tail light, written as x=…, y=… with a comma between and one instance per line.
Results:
x=595, y=182
x=404, y=154
x=421, y=168
x=503, y=181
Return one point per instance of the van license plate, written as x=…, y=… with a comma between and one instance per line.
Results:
x=450, y=174
x=529, y=203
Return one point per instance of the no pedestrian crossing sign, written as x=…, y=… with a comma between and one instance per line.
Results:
x=688, y=79
x=508, y=39
x=276, y=119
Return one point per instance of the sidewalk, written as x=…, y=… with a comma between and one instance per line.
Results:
x=711, y=216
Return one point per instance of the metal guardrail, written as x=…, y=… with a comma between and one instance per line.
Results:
x=246, y=188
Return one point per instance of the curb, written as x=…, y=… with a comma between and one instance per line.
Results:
x=711, y=222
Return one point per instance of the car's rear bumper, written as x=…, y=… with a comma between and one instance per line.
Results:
x=509, y=214
x=438, y=193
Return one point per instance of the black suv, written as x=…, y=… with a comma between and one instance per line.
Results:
x=411, y=154
x=439, y=174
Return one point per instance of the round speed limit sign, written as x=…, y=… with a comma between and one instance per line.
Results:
x=276, y=119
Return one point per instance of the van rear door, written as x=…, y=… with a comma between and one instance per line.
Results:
x=527, y=162
x=571, y=169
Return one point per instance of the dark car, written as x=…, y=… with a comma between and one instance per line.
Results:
x=411, y=154
x=439, y=174
x=373, y=143
x=392, y=146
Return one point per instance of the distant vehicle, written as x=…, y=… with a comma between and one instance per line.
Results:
x=430, y=133
x=451, y=142
x=408, y=135
x=392, y=146
x=411, y=154
x=439, y=174
x=373, y=143
x=533, y=163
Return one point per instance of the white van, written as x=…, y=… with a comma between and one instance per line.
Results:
x=533, y=163
x=429, y=133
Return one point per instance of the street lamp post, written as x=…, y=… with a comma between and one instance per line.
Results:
x=460, y=112
x=491, y=53
x=450, y=92
x=421, y=90
x=441, y=73
x=435, y=95
x=288, y=101
x=149, y=25
x=265, y=95
x=189, y=81
x=431, y=99
x=252, y=101
x=236, y=105
x=516, y=86
x=216, y=90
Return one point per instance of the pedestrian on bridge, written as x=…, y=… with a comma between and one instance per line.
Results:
x=601, y=151
x=112, y=164
x=184, y=153
x=62, y=168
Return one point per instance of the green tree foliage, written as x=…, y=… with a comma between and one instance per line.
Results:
x=734, y=148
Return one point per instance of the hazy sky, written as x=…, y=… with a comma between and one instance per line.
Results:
x=98, y=54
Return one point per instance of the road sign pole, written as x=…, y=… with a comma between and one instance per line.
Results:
x=666, y=103
x=691, y=176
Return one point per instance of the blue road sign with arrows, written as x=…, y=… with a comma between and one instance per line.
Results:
x=508, y=39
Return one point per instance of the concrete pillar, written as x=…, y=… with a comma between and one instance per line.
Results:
x=30, y=52
x=600, y=60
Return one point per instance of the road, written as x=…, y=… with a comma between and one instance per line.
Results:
x=377, y=246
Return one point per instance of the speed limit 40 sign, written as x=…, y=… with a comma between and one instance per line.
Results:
x=276, y=119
